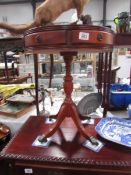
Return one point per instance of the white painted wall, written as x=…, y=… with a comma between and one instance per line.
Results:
x=114, y=7
x=125, y=66
x=94, y=8
x=16, y=13
x=22, y=13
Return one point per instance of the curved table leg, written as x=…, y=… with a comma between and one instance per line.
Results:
x=75, y=116
x=68, y=110
x=60, y=117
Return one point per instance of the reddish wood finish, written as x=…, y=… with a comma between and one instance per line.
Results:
x=68, y=108
x=68, y=40
x=122, y=40
x=65, y=155
x=100, y=71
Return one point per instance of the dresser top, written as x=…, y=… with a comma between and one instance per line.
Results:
x=66, y=147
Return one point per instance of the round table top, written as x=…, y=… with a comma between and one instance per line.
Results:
x=68, y=38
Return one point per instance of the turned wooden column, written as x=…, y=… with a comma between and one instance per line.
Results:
x=68, y=84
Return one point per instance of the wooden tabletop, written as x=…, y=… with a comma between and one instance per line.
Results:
x=66, y=150
x=68, y=38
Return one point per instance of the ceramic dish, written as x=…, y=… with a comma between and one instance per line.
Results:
x=117, y=130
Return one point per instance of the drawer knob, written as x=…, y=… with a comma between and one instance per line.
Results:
x=38, y=39
x=99, y=37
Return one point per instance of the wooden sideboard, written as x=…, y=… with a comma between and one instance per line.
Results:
x=65, y=155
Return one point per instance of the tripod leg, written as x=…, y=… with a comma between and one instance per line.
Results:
x=60, y=117
x=81, y=129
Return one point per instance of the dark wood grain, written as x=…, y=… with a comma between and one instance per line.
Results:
x=65, y=155
x=122, y=40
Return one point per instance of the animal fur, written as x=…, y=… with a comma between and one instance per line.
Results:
x=46, y=13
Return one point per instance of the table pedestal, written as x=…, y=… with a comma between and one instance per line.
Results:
x=68, y=108
x=68, y=40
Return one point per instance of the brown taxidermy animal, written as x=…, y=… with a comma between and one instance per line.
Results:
x=46, y=13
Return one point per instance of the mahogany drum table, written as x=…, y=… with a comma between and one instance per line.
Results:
x=68, y=40
x=65, y=155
